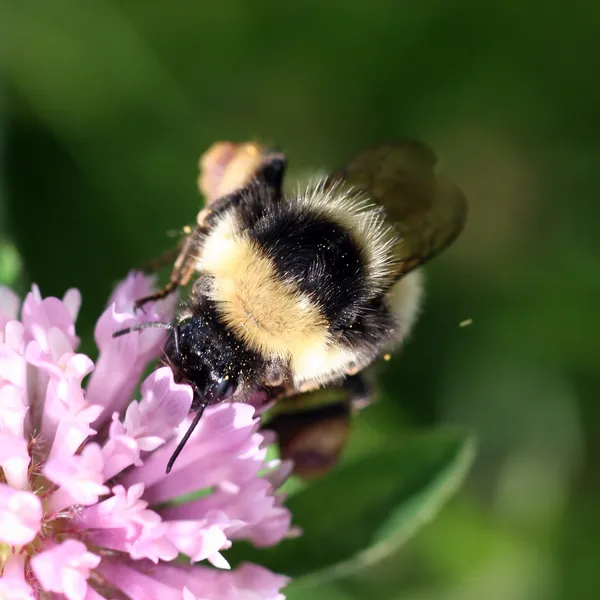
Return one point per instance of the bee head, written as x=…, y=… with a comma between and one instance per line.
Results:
x=202, y=353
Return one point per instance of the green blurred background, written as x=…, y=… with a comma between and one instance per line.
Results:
x=106, y=107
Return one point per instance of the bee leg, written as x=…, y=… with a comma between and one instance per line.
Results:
x=184, y=267
x=271, y=173
x=360, y=393
x=168, y=257
x=167, y=290
x=269, y=176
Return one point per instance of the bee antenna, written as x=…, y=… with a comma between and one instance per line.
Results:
x=151, y=325
x=186, y=437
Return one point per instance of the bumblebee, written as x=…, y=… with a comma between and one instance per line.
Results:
x=294, y=294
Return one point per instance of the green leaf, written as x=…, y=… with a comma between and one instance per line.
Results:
x=361, y=513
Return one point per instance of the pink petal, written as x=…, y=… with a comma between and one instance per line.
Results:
x=146, y=583
x=12, y=363
x=154, y=544
x=72, y=302
x=92, y=594
x=279, y=472
x=123, y=523
x=115, y=377
x=120, y=450
x=80, y=478
x=14, y=336
x=20, y=516
x=37, y=384
x=125, y=509
x=270, y=530
x=254, y=506
x=67, y=414
x=222, y=438
x=72, y=431
x=122, y=360
x=9, y=305
x=57, y=344
x=187, y=595
x=58, y=359
x=233, y=466
x=163, y=407
x=56, y=392
x=260, y=581
x=135, y=286
x=247, y=581
x=41, y=358
x=149, y=444
x=14, y=460
x=12, y=583
x=39, y=316
x=200, y=539
x=218, y=561
x=13, y=409
x=65, y=569
x=15, y=590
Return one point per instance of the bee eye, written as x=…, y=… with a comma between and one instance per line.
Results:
x=224, y=388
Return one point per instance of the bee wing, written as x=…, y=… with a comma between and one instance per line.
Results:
x=427, y=210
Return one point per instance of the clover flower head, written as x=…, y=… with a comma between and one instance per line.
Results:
x=86, y=509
